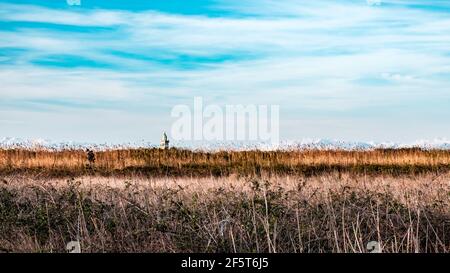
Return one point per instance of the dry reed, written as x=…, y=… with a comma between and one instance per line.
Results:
x=327, y=213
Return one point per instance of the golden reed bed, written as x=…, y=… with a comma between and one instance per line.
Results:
x=151, y=200
x=174, y=162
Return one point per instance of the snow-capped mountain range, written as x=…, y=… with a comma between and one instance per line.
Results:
x=320, y=144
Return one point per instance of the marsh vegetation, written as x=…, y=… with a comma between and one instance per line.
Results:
x=182, y=201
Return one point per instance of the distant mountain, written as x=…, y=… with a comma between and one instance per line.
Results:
x=320, y=144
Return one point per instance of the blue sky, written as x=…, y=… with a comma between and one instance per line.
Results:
x=111, y=70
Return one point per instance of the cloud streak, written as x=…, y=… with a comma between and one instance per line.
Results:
x=314, y=58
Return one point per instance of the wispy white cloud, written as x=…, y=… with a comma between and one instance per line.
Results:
x=31, y=13
x=310, y=26
x=318, y=57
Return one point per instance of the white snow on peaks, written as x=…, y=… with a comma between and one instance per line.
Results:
x=304, y=144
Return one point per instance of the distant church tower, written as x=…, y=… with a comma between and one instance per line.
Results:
x=164, y=142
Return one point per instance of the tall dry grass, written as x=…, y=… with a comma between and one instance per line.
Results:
x=327, y=213
x=174, y=162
